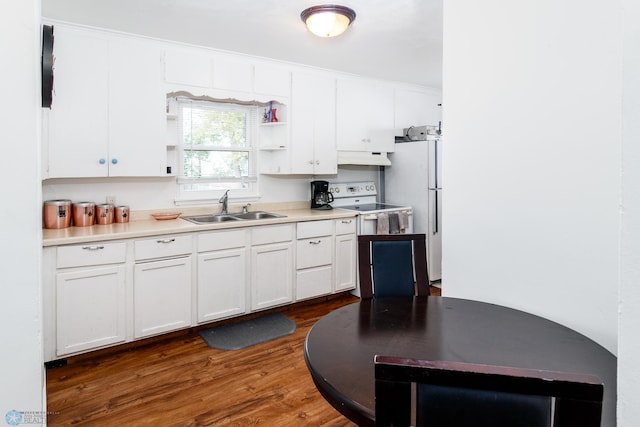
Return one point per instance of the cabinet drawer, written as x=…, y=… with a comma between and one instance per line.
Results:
x=314, y=229
x=162, y=247
x=221, y=240
x=313, y=252
x=91, y=254
x=271, y=234
x=346, y=226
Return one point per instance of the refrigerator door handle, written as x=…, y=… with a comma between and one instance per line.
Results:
x=435, y=213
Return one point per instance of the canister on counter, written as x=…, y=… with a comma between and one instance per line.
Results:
x=104, y=214
x=122, y=214
x=56, y=213
x=84, y=214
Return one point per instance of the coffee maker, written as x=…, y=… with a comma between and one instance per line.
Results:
x=320, y=195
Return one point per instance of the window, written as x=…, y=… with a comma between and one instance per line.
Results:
x=216, y=149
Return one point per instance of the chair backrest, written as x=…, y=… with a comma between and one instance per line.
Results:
x=392, y=265
x=466, y=394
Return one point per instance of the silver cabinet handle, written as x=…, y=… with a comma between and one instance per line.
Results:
x=316, y=242
x=92, y=248
x=346, y=221
x=166, y=241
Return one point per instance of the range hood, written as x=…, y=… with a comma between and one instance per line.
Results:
x=363, y=158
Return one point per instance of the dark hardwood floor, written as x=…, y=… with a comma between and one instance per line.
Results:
x=177, y=380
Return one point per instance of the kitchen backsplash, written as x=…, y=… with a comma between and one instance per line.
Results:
x=142, y=194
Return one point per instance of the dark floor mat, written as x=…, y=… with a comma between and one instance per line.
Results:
x=248, y=332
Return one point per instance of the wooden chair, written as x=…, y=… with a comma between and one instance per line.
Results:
x=392, y=265
x=465, y=394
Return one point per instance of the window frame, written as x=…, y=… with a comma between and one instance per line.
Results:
x=185, y=196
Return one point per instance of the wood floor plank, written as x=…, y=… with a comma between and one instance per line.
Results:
x=180, y=381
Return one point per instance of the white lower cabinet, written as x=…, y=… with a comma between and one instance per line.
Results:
x=222, y=275
x=89, y=298
x=162, y=296
x=314, y=256
x=346, y=242
x=90, y=308
x=271, y=266
x=162, y=285
x=101, y=294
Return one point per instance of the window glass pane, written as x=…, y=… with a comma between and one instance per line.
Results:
x=216, y=164
x=219, y=128
x=216, y=149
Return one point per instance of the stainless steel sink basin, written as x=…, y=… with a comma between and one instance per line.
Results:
x=208, y=219
x=257, y=215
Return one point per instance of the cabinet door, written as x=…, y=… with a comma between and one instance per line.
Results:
x=272, y=80
x=313, y=282
x=416, y=108
x=221, y=284
x=313, y=130
x=314, y=252
x=345, y=262
x=232, y=74
x=90, y=308
x=271, y=275
x=162, y=296
x=78, y=120
x=191, y=67
x=137, y=109
x=364, y=116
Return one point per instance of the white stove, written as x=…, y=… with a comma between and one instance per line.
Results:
x=362, y=197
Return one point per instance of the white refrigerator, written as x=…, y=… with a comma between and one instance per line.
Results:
x=415, y=179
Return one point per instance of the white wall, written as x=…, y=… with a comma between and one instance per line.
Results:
x=540, y=124
x=629, y=344
x=532, y=120
x=21, y=370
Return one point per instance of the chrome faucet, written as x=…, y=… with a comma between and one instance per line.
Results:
x=245, y=208
x=224, y=200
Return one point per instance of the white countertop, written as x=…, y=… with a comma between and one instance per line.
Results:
x=151, y=227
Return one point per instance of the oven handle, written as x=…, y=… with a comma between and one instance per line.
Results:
x=370, y=217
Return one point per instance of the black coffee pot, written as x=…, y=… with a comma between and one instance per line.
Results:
x=320, y=195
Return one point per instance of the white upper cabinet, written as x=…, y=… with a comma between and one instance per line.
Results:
x=364, y=115
x=108, y=108
x=232, y=74
x=236, y=76
x=137, y=109
x=272, y=80
x=186, y=66
x=313, y=124
x=415, y=107
x=78, y=136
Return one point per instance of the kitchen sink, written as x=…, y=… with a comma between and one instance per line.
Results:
x=257, y=215
x=209, y=219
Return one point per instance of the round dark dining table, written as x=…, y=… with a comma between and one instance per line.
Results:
x=340, y=347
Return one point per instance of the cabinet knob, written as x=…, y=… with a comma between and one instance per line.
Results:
x=310, y=162
x=317, y=162
x=114, y=161
x=102, y=161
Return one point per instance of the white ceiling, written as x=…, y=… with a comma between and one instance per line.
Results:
x=398, y=39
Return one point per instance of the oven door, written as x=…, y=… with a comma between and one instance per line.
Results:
x=368, y=222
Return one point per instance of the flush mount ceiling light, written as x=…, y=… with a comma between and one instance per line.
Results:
x=328, y=20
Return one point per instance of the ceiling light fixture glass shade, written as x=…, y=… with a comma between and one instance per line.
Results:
x=328, y=20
